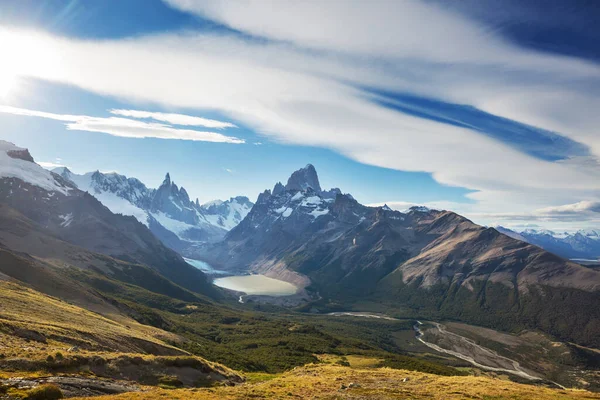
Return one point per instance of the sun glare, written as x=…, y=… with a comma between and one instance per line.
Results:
x=8, y=84
x=24, y=54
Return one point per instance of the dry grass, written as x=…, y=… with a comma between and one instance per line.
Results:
x=34, y=322
x=325, y=382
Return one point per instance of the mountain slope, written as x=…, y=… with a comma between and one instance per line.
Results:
x=423, y=262
x=168, y=211
x=40, y=207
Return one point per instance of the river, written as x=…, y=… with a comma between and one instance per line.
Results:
x=461, y=342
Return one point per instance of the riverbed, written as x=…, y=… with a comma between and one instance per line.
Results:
x=460, y=347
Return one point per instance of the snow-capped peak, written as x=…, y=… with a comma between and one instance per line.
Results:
x=16, y=162
x=169, y=206
x=421, y=209
x=212, y=203
x=227, y=214
x=8, y=146
x=531, y=231
x=590, y=233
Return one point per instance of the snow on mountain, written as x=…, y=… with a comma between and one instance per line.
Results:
x=168, y=211
x=16, y=162
x=110, y=190
x=583, y=244
x=227, y=214
x=590, y=233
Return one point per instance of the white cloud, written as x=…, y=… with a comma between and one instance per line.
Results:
x=301, y=88
x=580, y=208
x=124, y=127
x=50, y=165
x=176, y=119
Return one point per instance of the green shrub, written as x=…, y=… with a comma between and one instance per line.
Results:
x=45, y=392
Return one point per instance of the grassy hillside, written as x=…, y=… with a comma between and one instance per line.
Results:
x=40, y=323
x=338, y=382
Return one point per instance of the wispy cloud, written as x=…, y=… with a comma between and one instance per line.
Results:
x=582, y=209
x=124, y=127
x=176, y=119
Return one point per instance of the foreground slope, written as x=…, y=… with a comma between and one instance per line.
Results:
x=46, y=340
x=336, y=382
x=421, y=263
x=44, y=321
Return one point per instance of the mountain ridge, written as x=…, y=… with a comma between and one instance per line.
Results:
x=347, y=252
x=168, y=211
x=40, y=207
x=583, y=244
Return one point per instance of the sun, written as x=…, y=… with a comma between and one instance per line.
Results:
x=25, y=54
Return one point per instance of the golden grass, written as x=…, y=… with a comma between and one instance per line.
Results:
x=28, y=310
x=325, y=382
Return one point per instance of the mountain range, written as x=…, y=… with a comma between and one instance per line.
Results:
x=63, y=233
x=167, y=211
x=424, y=263
x=583, y=245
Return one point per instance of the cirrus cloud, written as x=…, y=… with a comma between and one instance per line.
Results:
x=124, y=127
x=176, y=119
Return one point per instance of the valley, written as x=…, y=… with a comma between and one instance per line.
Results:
x=309, y=284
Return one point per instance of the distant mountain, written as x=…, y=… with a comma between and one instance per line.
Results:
x=583, y=244
x=167, y=211
x=426, y=263
x=48, y=217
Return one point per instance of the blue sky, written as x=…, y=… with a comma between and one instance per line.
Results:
x=490, y=111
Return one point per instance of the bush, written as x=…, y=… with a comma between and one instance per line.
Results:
x=169, y=382
x=50, y=359
x=45, y=392
x=59, y=355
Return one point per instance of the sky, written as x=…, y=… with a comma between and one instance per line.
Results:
x=486, y=108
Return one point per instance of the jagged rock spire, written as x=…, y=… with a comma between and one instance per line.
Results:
x=303, y=179
x=278, y=189
x=167, y=181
